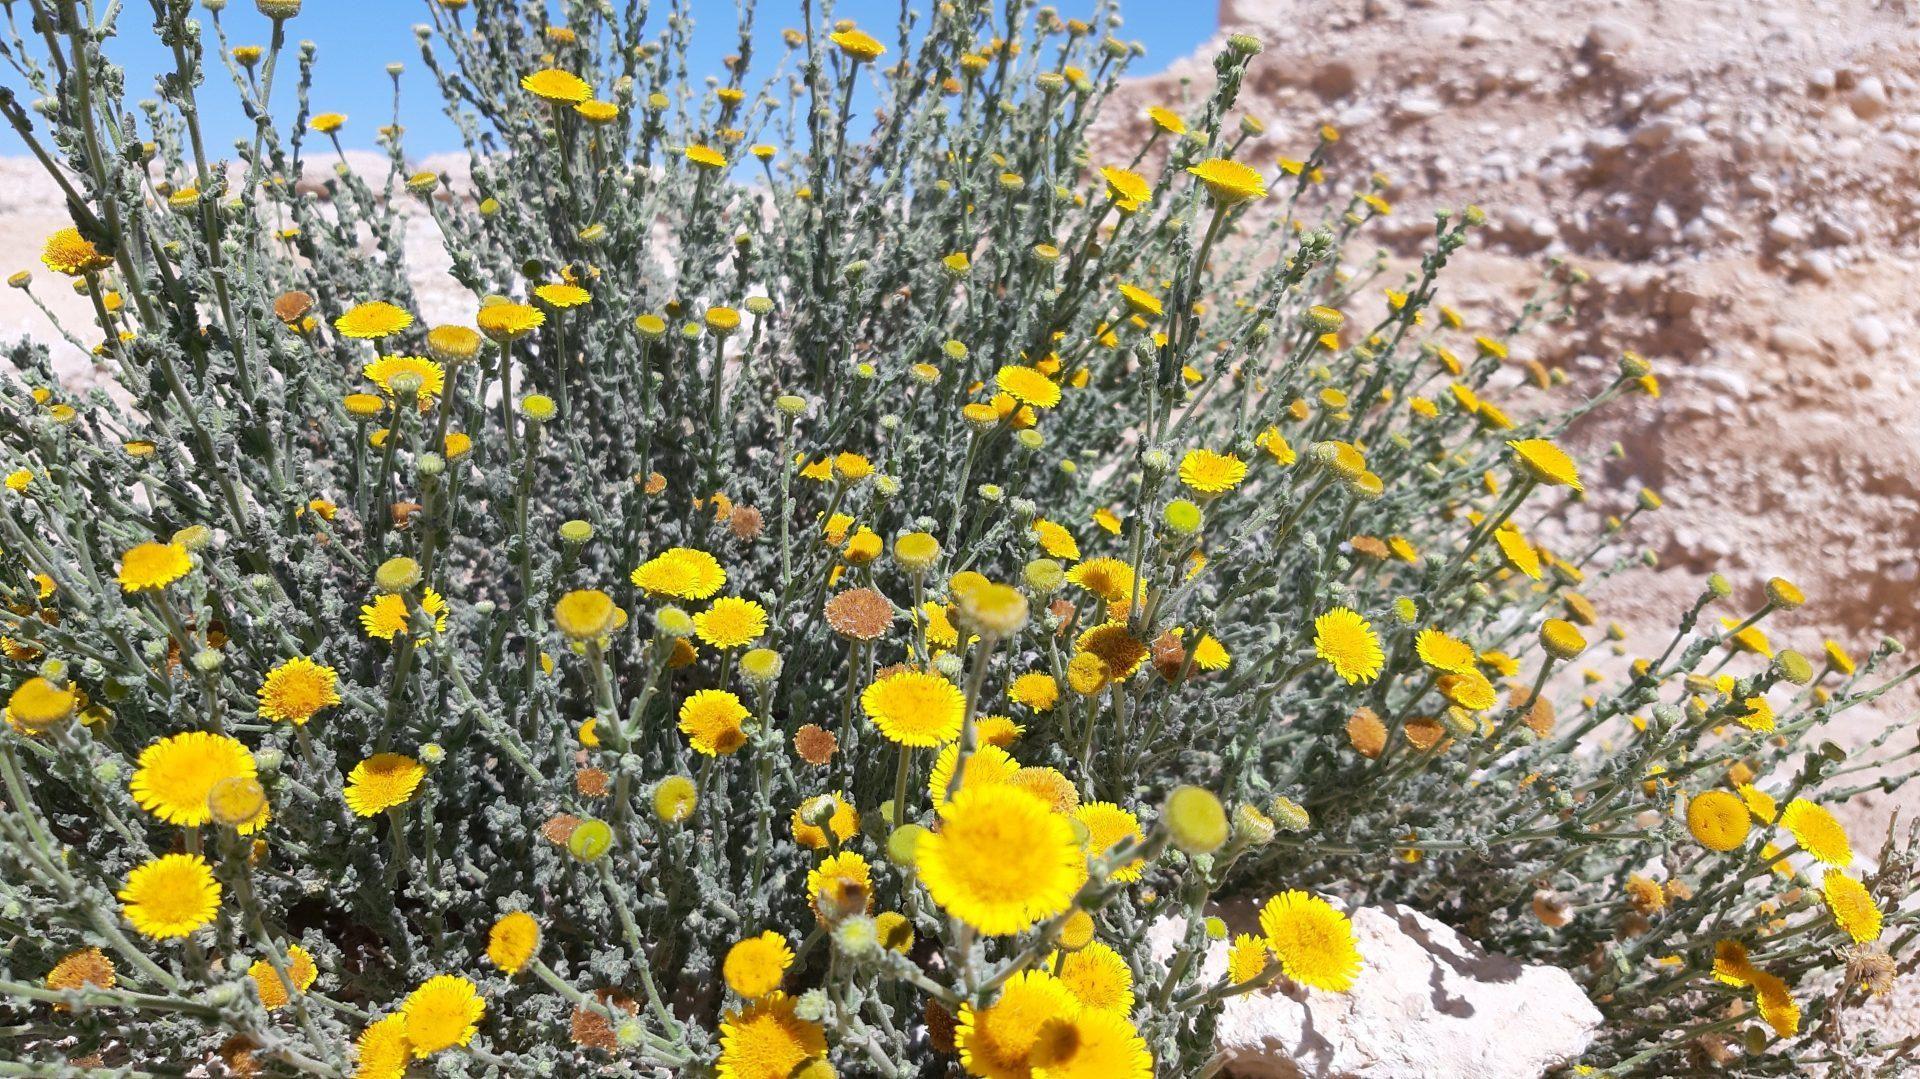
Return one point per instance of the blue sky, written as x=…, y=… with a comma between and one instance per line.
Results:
x=358, y=38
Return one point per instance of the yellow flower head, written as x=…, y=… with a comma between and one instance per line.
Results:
x=1109, y=826
x=513, y=941
x=915, y=708
x=387, y=615
x=153, y=566
x=38, y=704
x=444, y=1012
x=1091, y=1044
x=731, y=622
x=1718, y=820
x=1109, y=578
x=1853, y=909
x=1313, y=941
x=1443, y=653
x=1037, y=690
x=1817, y=832
x=1545, y=462
x=682, y=573
x=711, y=718
x=1128, y=189
x=170, y=896
x=562, y=295
x=1002, y=860
x=585, y=614
x=1229, y=182
x=1028, y=386
x=327, y=122
x=67, y=252
x=996, y=1041
x=1347, y=642
x=273, y=992
x=857, y=44
x=843, y=822
x=372, y=321
x=178, y=772
x=1211, y=473
x=556, y=86
x=766, y=1040
x=296, y=689
x=504, y=322
x=706, y=157
x=754, y=967
x=381, y=782
x=383, y=1050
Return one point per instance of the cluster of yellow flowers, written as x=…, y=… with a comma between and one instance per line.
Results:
x=824, y=622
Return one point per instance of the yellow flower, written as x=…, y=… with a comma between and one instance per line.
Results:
x=371, y=321
x=1166, y=120
x=858, y=45
x=753, y=968
x=989, y=765
x=387, y=614
x=383, y=1049
x=711, y=718
x=1028, y=386
x=1211, y=655
x=1817, y=832
x=598, y=112
x=67, y=252
x=1718, y=820
x=1098, y=978
x=1442, y=652
x=296, y=689
x=1037, y=690
x=731, y=622
x=766, y=1040
x=995, y=1041
x=1091, y=1044
x=503, y=322
x=1108, y=578
x=1001, y=861
x=680, y=572
x=1109, y=826
x=706, y=157
x=840, y=877
x=585, y=614
x=1229, y=182
x=178, y=772
x=1276, y=446
x=1246, y=959
x=153, y=566
x=1128, y=189
x=273, y=991
x=327, y=123
x=914, y=708
x=170, y=896
x=1313, y=941
x=1518, y=553
x=1121, y=654
x=1211, y=473
x=843, y=823
x=1776, y=1004
x=562, y=295
x=512, y=941
x=39, y=704
x=556, y=86
x=444, y=1012
x=381, y=782
x=1470, y=690
x=432, y=377
x=1854, y=911
x=1546, y=462
x=1345, y=640
x=81, y=969
x=1107, y=519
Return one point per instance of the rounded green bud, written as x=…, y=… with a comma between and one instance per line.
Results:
x=674, y=622
x=1719, y=587
x=1216, y=928
x=397, y=574
x=1252, y=827
x=904, y=843
x=1290, y=815
x=576, y=531
x=1793, y=667
x=538, y=407
x=790, y=404
x=1196, y=820
x=857, y=937
x=1181, y=516
x=590, y=841
x=1044, y=576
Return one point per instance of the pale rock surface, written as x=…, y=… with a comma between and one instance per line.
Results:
x=1428, y=1002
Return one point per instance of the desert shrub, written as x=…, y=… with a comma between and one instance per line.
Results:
x=878, y=551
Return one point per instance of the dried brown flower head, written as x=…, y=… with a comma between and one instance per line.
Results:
x=815, y=744
x=859, y=614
